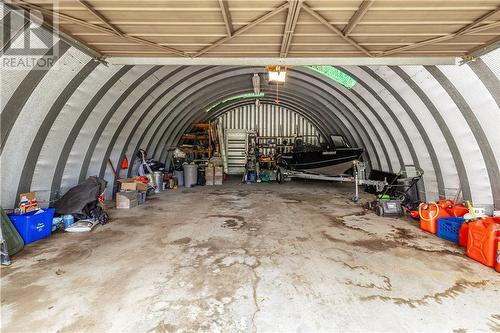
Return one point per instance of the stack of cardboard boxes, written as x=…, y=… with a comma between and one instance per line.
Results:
x=213, y=175
x=132, y=193
x=209, y=174
x=218, y=175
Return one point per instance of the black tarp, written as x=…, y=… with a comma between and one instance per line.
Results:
x=77, y=199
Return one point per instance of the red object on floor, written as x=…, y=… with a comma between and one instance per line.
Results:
x=463, y=234
x=124, y=165
x=481, y=243
x=430, y=213
x=414, y=214
x=497, y=264
x=458, y=210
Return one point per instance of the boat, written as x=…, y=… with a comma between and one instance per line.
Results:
x=330, y=159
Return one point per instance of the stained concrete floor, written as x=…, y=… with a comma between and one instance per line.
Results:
x=298, y=257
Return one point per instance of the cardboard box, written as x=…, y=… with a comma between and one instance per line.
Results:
x=28, y=202
x=126, y=199
x=218, y=171
x=132, y=185
x=209, y=175
x=218, y=175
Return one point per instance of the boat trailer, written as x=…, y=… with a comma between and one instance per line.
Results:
x=359, y=178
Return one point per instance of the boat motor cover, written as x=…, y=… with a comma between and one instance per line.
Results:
x=77, y=198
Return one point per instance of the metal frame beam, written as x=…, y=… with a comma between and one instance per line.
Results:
x=468, y=29
x=101, y=17
x=63, y=35
x=64, y=17
x=336, y=30
x=358, y=15
x=333, y=61
x=483, y=49
x=291, y=22
x=243, y=29
x=478, y=21
x=227, y=17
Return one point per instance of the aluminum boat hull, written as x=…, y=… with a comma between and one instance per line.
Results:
x=328, y=163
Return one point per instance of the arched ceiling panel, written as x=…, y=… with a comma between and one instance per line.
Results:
x=128, y=107
x=365, y=121
x=69, y=161
x=63, y=132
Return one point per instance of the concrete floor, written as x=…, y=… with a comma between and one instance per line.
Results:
x=298, y=257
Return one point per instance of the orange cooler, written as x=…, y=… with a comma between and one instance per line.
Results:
x=482, y=241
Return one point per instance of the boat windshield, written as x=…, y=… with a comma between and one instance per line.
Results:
x=339, y=141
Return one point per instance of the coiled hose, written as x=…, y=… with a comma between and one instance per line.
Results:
x=428, y=205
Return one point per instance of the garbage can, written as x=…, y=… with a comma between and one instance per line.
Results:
x=190, y=174
x=179, y=174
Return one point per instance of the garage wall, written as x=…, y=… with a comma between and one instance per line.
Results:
x=62, y=124
x=268, y=120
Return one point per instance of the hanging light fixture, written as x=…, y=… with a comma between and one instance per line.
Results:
x=277, y=74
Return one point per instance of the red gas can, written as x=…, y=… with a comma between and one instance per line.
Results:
x=458, y=210
x=497, y=264
x=463, y=234
x=430, y=213
x=481, y=244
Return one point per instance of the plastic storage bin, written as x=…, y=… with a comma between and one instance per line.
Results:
x=482, y=240
x=449, y=227
x=34, y=225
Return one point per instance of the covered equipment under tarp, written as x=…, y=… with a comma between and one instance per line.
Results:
x=81, y=201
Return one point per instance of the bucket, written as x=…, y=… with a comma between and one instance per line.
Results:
x=68, y=220
x=190, y=174
x=180, y=177
x=158, y=181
